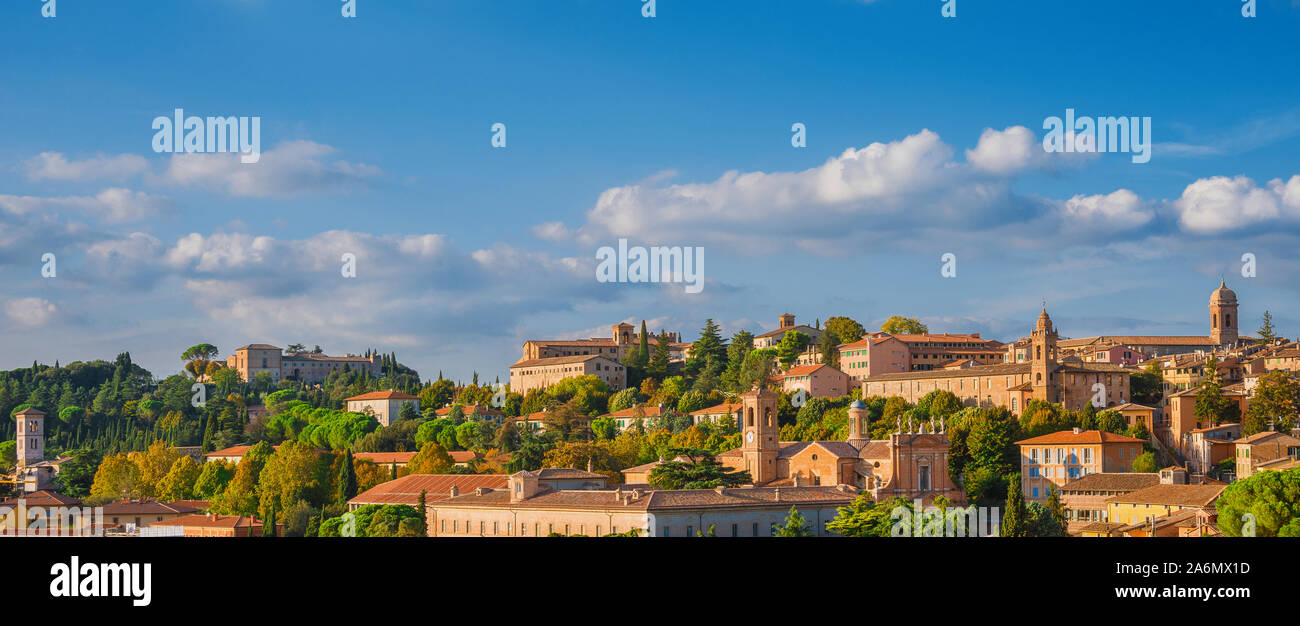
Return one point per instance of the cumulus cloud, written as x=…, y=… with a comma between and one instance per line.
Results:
x=293, y=167
x=56, y=166
x=1121, y=209
x=1219, y=203
x=31, y=312
x=859, y=197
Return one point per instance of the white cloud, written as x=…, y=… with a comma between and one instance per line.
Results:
x=31, y=312
x=1121, y=209
x=111, y=205
x=55, y=166
x=290, y=168
x=1220, y=203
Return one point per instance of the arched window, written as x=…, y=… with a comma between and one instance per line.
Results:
x=1214, y=320
x=767, y=415
x=1227, y=320
x=751, y=416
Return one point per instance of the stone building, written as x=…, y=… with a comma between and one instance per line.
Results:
x=384, y=406
x=1049, y=462
x=1044, y=377
x=529, y=374
x=623, y=339
x=259, y=358
x=528, y=508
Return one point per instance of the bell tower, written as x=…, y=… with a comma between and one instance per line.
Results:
x=759, y=433
x=1223, y=315
x=858, y=415
x=1042, y=359
x=30, y=436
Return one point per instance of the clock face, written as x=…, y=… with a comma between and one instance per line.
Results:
x=749, y=436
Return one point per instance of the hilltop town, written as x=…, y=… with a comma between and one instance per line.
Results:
x=827, y=429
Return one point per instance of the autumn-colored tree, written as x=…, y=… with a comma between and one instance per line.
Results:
x=899, y=325
x=197, y=358
x=117, y=477
x=295, y=472
x=179, y=482
x=154, y=463
x=431, y=459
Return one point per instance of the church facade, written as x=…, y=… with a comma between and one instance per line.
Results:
x=911, y=464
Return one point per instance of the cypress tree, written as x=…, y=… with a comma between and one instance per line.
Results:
x=1015, y=523
x=347, y=479
x=643, y=352
x=423, y=526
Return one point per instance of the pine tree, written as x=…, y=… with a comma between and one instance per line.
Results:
x=1267, y=335
x=347, y=479
x=659, y=362
x=795, y=525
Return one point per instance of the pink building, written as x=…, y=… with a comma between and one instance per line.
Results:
x=819, y=381
x=874, y=355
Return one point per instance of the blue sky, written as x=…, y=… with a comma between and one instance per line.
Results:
x=922, y=139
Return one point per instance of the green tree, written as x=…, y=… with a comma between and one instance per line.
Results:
x=347, y=479
x=1267, y=504
x=179, y=482
x=864, y=518
x=792, y=344
x=846, y=328
x=1015, y=522
x=197, y=358
x=658, y=366
x=1267, y=334
x=1275, y=405
x=828, y=346
x=1056, y=513
x=795, y=525
x=700, y=471
x=899, y=325
x=1145, y=463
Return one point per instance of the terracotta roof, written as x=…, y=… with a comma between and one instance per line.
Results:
x=198, y=505
x=798, y=327
x=1260, y=437
x=559, y=360
x=933, y=338
x=661, y=500
x=1177, y=518
x=804, y=370
x=240, y=451
x=258, y=346
x=385, y=457
x=1100, y=527
x=1173, y=495
x=464, y=456
x=214, y=521
x=1087, y=436
x=1150, y=340
x=383, y=395
x=725, y=407
x=646, y=411
x=146, y=506
x=1113, y=481
x=31, y=410
x=1131, y=406
x=43, y=498
x=406, y=490
x=563, y=473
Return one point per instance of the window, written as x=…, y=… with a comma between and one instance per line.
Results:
x=755, y=529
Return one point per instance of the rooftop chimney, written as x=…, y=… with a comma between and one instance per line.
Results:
x=455, y=491
x=1077, y=430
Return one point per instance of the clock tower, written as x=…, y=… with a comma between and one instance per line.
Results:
x=759, y=434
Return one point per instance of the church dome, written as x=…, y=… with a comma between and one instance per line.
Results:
x=1223, y=295
x=858, y=404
